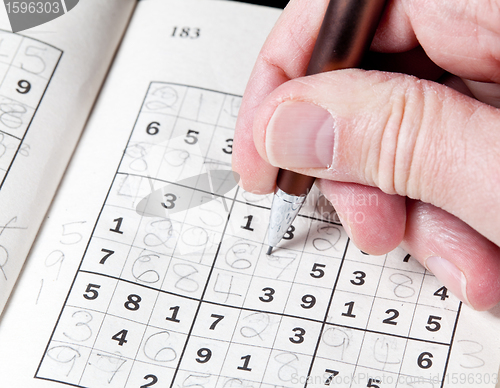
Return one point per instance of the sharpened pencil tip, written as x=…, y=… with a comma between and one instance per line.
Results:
x=269, y=251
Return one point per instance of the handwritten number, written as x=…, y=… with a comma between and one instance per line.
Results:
x=390, y=320
x=407, y=258
x=108, y=253
x=153, y=381
x=120, y=337
x=36, y=53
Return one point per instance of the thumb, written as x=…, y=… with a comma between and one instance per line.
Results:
x=406, y=136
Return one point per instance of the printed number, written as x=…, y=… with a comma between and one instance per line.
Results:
x=289, y=233
x=424, y=360
x=317, y=270
x=433, y=324
x=298, y=337
x=229, y=147
x=116, y=229
x=191, y=137
x=170, y=201
x=132, y=302
x=153, y=381
x=359, y=280
x=308, y=301
x=153, y=128
x=268, y=294
x=350, y=307
x=186, y=32
x=245, y=363
x=332, y=374
x=371, y=383
x=90, y=293
x=24, y=86
x=120, y=337
x=249, y=222
x=390, y=320
x=173, y=318
x=108, y=253
x=442, y=293
x=204, y=355
x=218, y=318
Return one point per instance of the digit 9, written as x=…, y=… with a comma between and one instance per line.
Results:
x=23, y=86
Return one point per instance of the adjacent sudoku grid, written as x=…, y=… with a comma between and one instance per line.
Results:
x=26, y=67
x=169, y=298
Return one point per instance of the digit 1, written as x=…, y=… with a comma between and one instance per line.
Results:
x=407, y=258
x=175, y=30
x=173, y=318
x=249, y=222
x=245, y=363
x=116, y=229
x=349, y=310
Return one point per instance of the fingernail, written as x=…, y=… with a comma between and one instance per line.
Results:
x=300, y=134
x=449, y=274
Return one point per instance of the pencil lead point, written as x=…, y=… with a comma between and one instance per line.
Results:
x=269, y=251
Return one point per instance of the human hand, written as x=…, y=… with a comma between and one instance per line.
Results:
x=429, y=152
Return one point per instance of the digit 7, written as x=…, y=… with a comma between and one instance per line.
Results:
x=218, y=318
x=333, y=373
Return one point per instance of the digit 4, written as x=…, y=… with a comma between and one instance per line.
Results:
x=442, y=293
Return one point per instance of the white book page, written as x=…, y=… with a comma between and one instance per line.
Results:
x=151, y=268
x=50, y=76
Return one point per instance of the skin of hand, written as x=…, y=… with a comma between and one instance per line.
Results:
x=421, y=134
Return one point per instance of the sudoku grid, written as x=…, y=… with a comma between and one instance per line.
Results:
x=190, y=299
x=26, y=67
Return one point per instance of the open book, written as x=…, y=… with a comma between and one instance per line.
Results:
x=149, y=268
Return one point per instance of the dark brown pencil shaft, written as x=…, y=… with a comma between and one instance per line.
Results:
x=345, y=35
